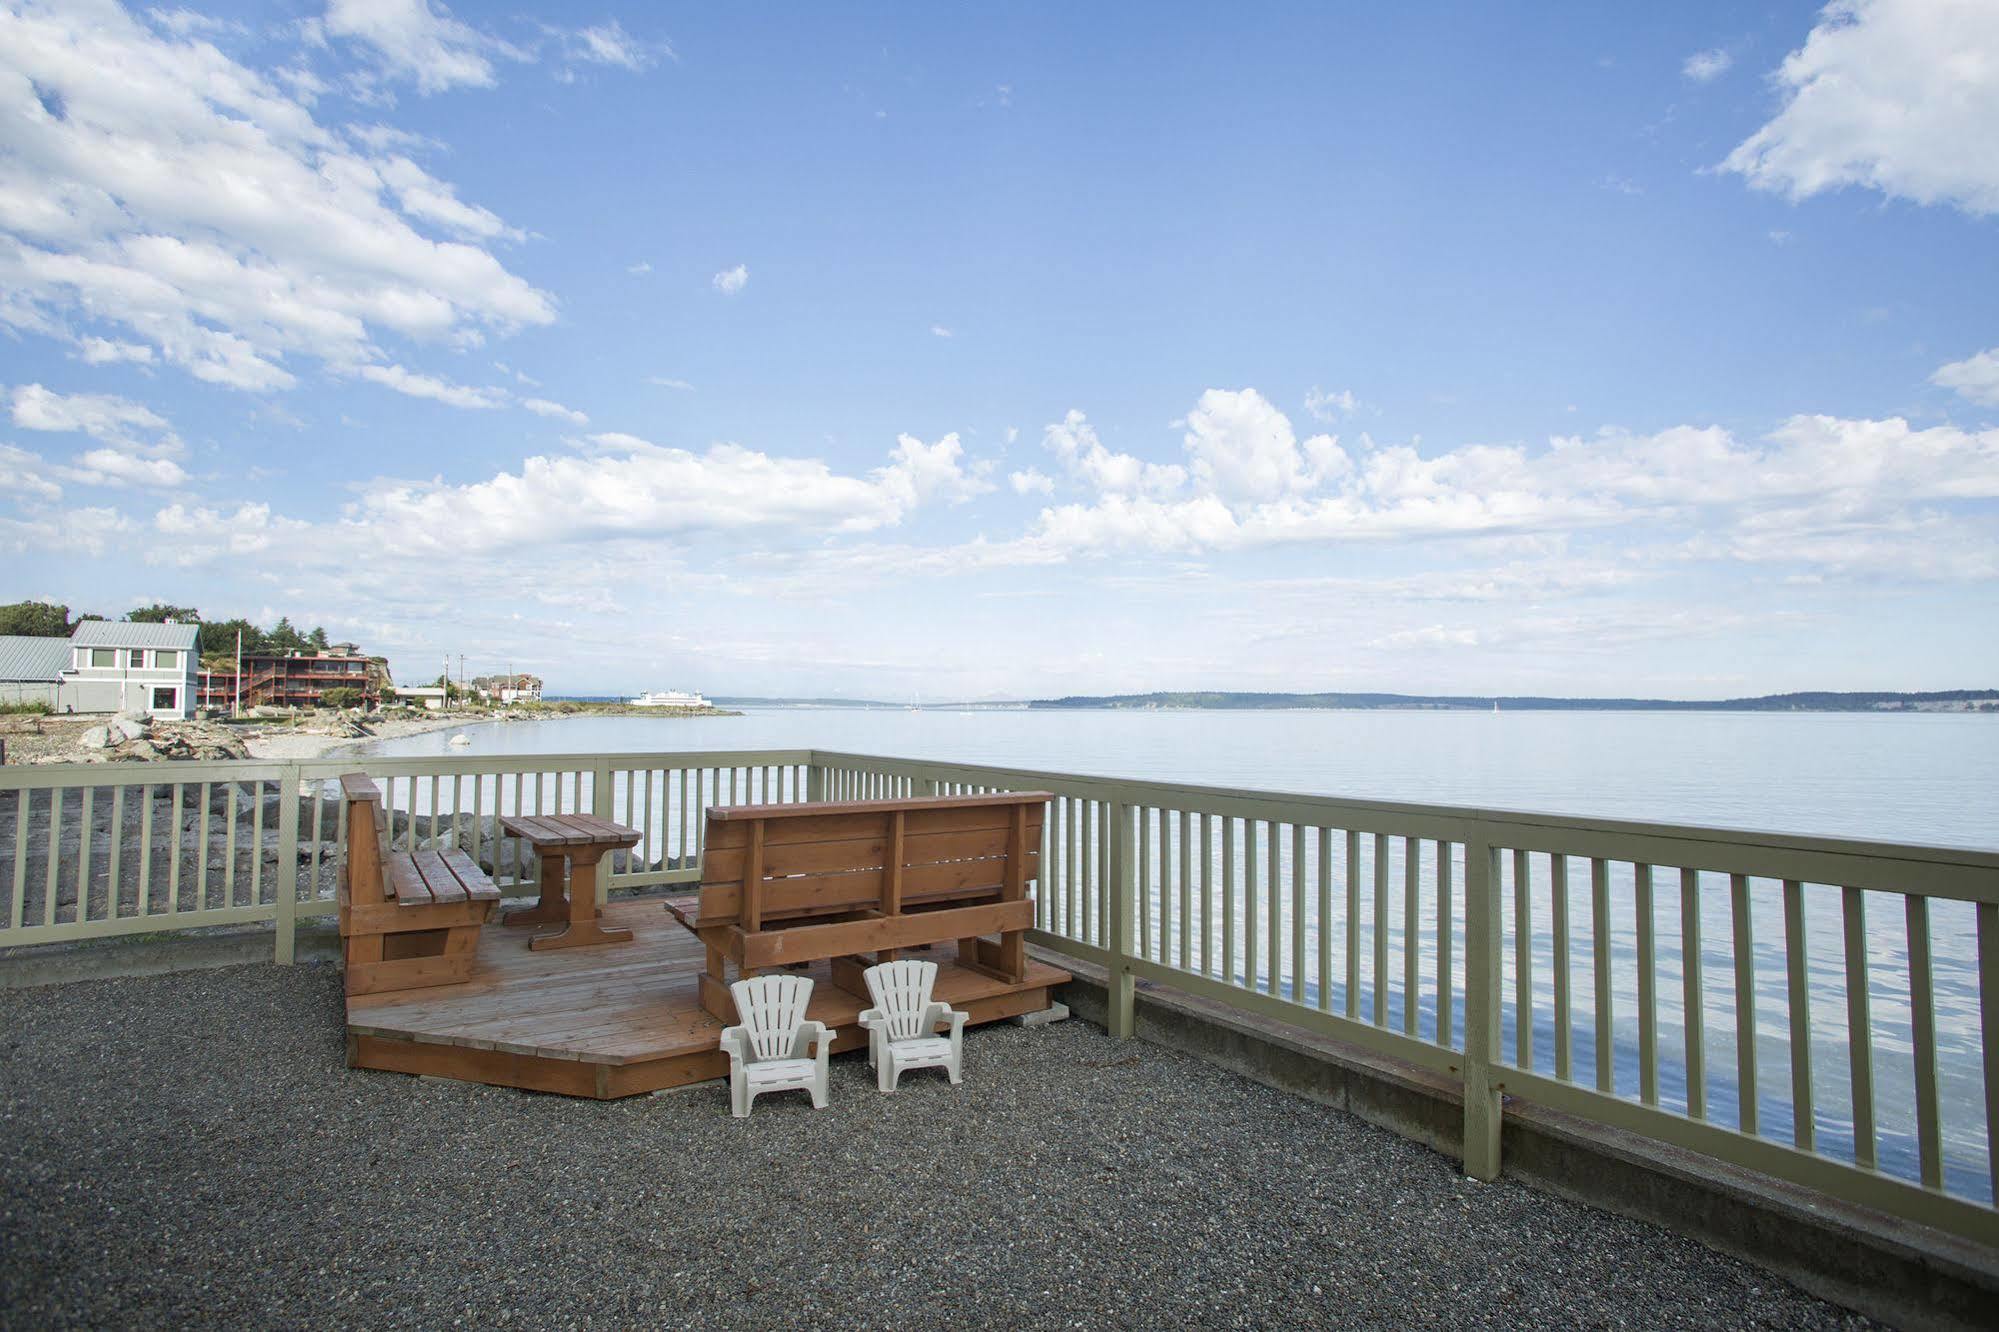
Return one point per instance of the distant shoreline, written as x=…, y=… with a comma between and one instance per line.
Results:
x=1941, y=701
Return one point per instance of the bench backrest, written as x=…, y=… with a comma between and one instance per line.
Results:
x=367, y=839
x=788, y=863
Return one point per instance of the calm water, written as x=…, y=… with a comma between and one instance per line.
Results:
x=1909, y=778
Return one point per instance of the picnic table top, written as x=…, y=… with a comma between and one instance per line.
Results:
x=569, y=830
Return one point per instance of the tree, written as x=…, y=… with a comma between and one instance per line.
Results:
x=159, y=613
x=342, y=697
x=35, y=619
x=317, y=639
x=283, y=637
x=219, y=639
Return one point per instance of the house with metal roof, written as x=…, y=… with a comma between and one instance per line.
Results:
x=30, y=668
x=115, y=666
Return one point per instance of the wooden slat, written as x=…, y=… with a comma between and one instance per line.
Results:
x=479, y=887
x=1412, y=956
x=1558, y=887
x=438, y=879
x=1648, y=988
x=1599, y=923
x=1380, y=1014
x=1987, y=914
x=1324, y=838
x=1923, y=1033
x=812, y=809
x=407, y=883
x=1353, y=923
x=1523, y=961
x=1446, y=927
x=771, y=948
x=1692, y=996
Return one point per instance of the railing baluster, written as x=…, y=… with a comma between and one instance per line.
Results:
x=1523, y=961
x=1606, y=1028
x=1859, y=1036
x=1207, y=895
x=319, y=846
x=1693, y=997
x=1558, y=916
x=55, y=859
x=173, y=866
x=1380, y=1014
x=1923, y=1033
x=1297, y=913
x=1167, y=888
x=1804, y=1121
x=257, y=845
x=1412, y=956
x=1228, y=900
x=1648, y=987
x=1446, y=991
x=1987, y=915
x=1353, y=923
x=117, y=850
x=1143, y=851
x=87, y=821
x=1186, y=891
x=1249, y=907
x=17, y=912
x=1743, y=944
x=1323, y=837
x=1274, y=893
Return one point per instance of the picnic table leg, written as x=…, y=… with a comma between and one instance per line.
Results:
x=583, y=927
x=552, y=909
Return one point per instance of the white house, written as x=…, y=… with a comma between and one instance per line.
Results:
x=115, y=666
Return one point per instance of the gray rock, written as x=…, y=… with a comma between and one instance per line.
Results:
x=97, y=737
x=127, y=727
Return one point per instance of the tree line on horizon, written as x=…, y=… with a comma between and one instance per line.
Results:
x=44, y=619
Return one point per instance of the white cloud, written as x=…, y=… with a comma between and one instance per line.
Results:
x=102, y=416
x=1330, y=406
x=104, y=351
x=1900, y=96
x=609, y=44
x=410, y=40
x=190, y=536
x=1976, y=377
x=1243, y=448
x=939, y=331
x=25, y=475
x=429, y=386
x=111, y=467
x=918, y=472
x=732, y=280
x=1031, y=481
x=1085, y=458
x=156, y=185
x=664, y=381
x=642, y=266
x=67, y=532
x=1707, y=66
x=554, y=410
x=1429, y=636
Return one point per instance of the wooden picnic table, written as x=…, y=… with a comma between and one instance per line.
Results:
x=581, y=840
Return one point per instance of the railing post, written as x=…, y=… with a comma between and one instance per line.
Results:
x=604, y=804
x=1482, y=943
x=1119, y=995
x=285, y=889
x=815, y=783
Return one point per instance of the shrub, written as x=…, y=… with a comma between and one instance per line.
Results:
x=25, y=708
x=342, y=697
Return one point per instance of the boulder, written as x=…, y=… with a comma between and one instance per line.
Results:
x=97, y=737
x=142, y=751
x=137, y=714
x=127, y=727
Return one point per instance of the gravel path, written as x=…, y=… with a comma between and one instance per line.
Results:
x=189, y=1147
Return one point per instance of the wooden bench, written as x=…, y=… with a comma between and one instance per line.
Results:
x=860, y=881
x=407, y=919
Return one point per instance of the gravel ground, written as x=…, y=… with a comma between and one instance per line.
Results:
x=190, y=1147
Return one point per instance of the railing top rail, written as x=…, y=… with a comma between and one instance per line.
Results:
x=1523, y=824
x=814, y=808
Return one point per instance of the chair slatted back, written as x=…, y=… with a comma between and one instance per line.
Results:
x=901, y=990
x=772, y=1008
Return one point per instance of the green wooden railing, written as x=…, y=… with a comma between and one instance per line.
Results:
x=1816, y=1009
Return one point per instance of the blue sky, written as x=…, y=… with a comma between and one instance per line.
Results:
x=869, y=350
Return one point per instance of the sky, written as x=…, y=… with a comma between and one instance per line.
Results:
x=895, y=351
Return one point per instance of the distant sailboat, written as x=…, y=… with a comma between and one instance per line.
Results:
x=1495, y=705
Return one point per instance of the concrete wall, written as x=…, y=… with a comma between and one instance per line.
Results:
x=28, y=691
x=113, y=689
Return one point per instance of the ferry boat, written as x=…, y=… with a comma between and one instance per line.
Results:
x=669, y=698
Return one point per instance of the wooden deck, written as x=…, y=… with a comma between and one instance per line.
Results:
x=611, y=1020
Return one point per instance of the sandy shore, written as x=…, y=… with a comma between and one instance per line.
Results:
x=286, y=744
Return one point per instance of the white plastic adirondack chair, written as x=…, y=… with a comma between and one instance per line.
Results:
x=775, y=1047
x=902, y=1026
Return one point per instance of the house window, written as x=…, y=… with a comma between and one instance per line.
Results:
x=166, y=700
x=138, y=661
x=104, y=657
x=167, y=661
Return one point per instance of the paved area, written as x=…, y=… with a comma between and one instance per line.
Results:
x=190, y=1148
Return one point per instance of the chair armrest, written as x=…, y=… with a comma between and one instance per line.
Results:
x=872, y=1018
x=736, y=1044
x=816, y=1035
x=938, y=1014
